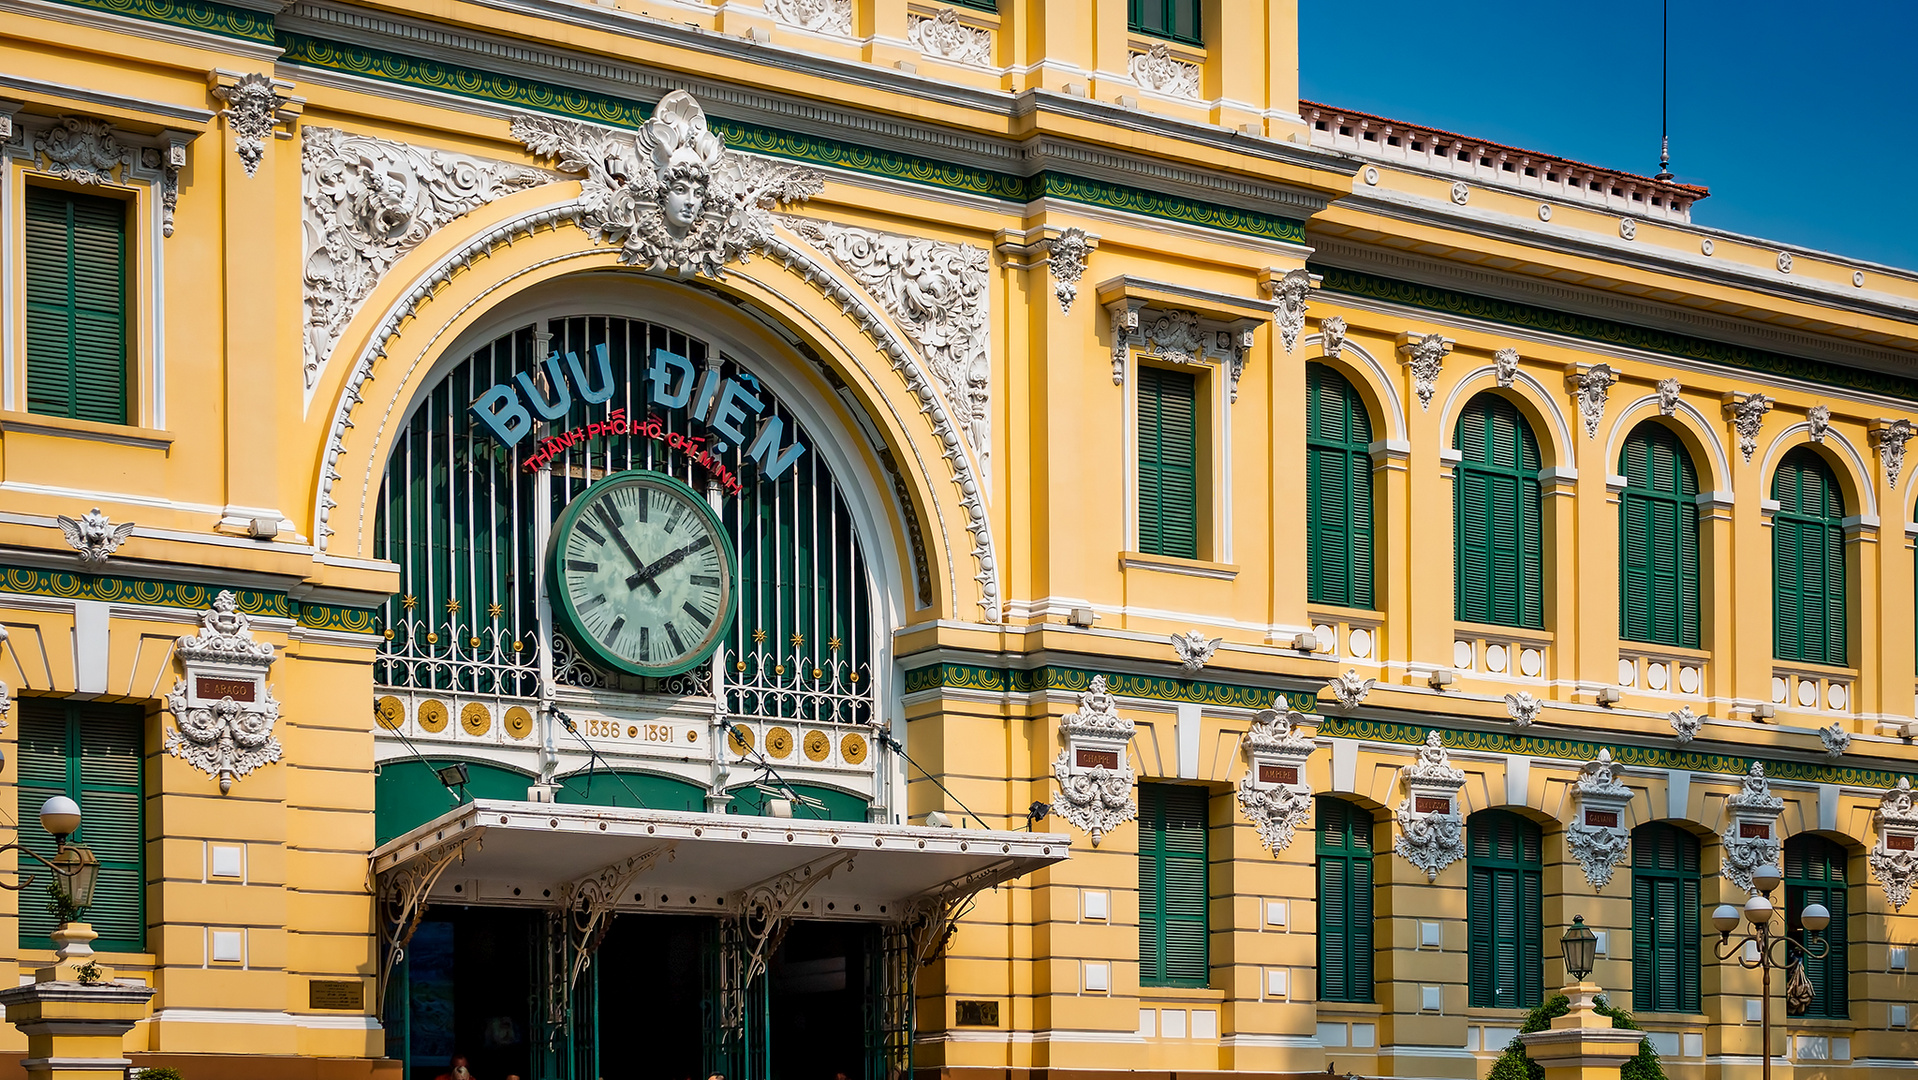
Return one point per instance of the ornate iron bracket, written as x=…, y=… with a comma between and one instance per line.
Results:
x=588, y=904
x=765, y=911
x=402, y=899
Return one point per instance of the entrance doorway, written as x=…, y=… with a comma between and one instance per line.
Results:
x=467, y=991
x=650, y=980
x=817, y=1002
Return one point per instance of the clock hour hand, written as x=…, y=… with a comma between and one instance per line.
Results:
x=639, y=564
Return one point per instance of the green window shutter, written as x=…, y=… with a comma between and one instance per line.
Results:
x=1498, y=519
x=1665, y=930
x=1809, y=590
x=1815, y=873
x=76, y=305
x=1658, y=540
x=1338, y=467
x=1504, y=911
x=1176, y=19
x=1345, y=900
x=1173, y=894
x=93, y=754
x=1168, y=463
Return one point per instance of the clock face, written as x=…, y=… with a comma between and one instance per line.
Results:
x=643, y=574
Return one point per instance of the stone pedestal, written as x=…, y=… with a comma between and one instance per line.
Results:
x=1582, y=1045
x=74, y=1029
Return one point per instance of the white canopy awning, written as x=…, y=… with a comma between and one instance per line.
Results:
x=507, y=853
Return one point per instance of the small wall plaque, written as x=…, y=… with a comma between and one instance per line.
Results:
x=978, y=1014
x=1431, y=804
x=1604, y=819
x=1278, y=774
x=343, y=994
x=213, y=689
x=1101, y=759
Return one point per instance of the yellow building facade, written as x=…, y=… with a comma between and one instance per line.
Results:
x=876, y=535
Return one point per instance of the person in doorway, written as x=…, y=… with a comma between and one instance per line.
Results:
x=456, y=1069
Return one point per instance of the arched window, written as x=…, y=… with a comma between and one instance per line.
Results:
x=1657, y=540
x=1505, y=923
x=1815, y=874
x=1345, y=900
x=1808, y=561
x=1338, y=491
x=1497, y=523
x=1665, y=939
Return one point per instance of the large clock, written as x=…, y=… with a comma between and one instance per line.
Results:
x=643, y=576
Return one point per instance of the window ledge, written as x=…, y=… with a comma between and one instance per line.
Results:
x=1652, y=649
x=1524, y=634
x=60, y=427
x=1351, y=1009
x=1203, y=994
x=1172, y=564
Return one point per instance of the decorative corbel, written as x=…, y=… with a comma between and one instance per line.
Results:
x=1746, y=413
x=1274, y=792
x=1597, y=835
x=255, y=111
x=1125, y=326
x=1590, y=385
x=1288, y=291
x=1066, y=256
x=1890, y=437
x=1430, y=826
x=1242, y=338
x=1751, y=831
x=1425, y=355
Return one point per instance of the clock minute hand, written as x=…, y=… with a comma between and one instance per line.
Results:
x=666, y=562
x=639, y=564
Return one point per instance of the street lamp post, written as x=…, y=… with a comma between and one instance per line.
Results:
x=1761, y=938
x=60, y=817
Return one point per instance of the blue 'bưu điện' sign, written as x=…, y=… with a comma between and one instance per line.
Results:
x=727, y=405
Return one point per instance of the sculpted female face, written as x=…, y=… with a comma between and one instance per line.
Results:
x=683, y=200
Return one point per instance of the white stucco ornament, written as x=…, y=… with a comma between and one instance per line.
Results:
x=1751, y=831
x=1505, y=366
x=1289, y=293
x=1686, y=724
x=673, y=199
x=1430, y=827
x=1523, y=708
x=1193, y=649
x=1894, y=859
x=93, y=535
x=1349, y=689
x=1669, y=391
x=1274, y=793
x=1425, y=355
x=1598, y=836
x=1095, y=777
x=223, y=710
x=1332, y=335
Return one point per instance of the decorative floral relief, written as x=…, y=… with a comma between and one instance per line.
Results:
x=825, y=16
x=1157, y=69
x=1890, y=439
x=1430, y=829
x=1523, y=708
x=81, y=151
x=231, y=735
x=1194, y=649
x=1425, y=354
x=1349, y=689
x=1750, y=839
x=1175, y=336
x=1597, y=835
x=1290, y=292
x=252, y=109
x=1747, y=412
x=1686, y=724
x=946, y=37
x=93, y=535
x=1274, y=793
x=1332, y=335
x=1094, y=775
x=1894, y=859
x=1818, y=422
x=1505, y=366
x=1594, y=385
x=674, y=199
x=367, y=203
x=936, y=292
x=1668, y=391
x=1066, y=258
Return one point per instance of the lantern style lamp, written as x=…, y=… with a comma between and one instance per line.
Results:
x=60, y=816
x=1580, y=947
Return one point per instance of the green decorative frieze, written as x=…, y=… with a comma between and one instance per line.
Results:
x=192, y=14
x=1575, y=750
x=755, y=139
x=1606, y=332
x=33, y=581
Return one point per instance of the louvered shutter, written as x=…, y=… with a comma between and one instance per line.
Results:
x=76, y=305
x=1498, y=517
x=94, y=755
x=1345, y=901
x=1168, y=463
x=1504, y=909
x=1665, y=928
x=1658, y=540
x=1338, y=491
x=1808, y=562
x=1173, y=923
x=1815, y=873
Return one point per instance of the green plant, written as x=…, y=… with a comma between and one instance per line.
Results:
x=90, y=974
x=1513, y=1064
x=158, y=1074
x=60, y=905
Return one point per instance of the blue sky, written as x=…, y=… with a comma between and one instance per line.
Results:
x=1802, y=118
